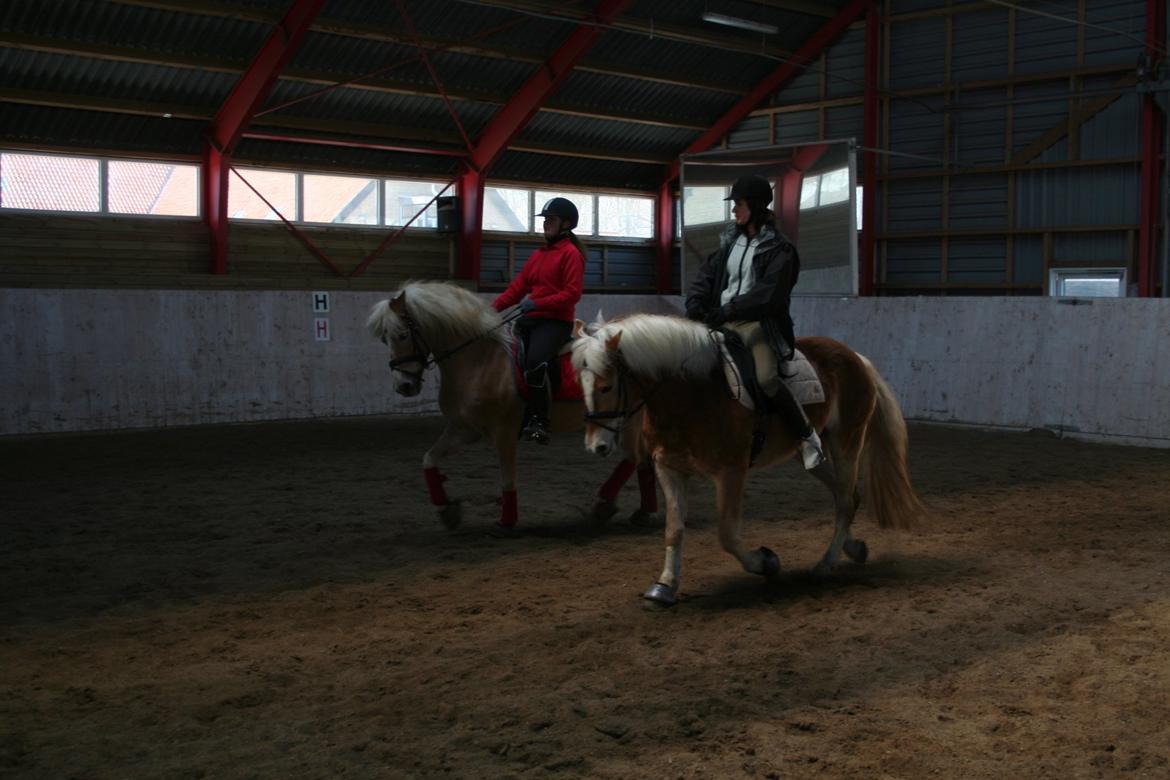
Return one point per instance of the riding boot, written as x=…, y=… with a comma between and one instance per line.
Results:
x=536, y=422
x=792, y=413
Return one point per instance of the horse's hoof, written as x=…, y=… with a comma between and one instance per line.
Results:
x=603, y=511
x=452, y=515
x=661, y=595
x=769, y=563
x=640, y=518
x=822, y=571
x=857, y=550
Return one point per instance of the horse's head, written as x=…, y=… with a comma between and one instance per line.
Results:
x=391, y=322
x=597, y=362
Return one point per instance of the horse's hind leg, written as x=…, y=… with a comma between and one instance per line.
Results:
x=448, y=442
x=839, y=475
x=674, y=487
x=729, y=500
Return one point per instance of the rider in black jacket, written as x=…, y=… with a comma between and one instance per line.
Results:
x=746, y=286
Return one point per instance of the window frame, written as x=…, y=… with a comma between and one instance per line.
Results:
x=103, y=186
x=1057, y=275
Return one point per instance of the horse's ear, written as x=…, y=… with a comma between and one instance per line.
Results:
x=578, y=328
x=611, y=343
x=599, y=320
x=398, y=303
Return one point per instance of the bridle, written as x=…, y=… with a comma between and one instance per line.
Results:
x=422, y=352
x=622, y=414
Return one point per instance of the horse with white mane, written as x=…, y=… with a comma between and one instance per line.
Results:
x=441, y=324
x=669, y=369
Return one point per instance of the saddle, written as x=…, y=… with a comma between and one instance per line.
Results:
x=739, y=371
x=567, y=389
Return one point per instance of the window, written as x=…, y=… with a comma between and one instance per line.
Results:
x=810, y=190
x=625, y=217
x=834, y=187
x=346, y=200
x=153, y=188
x=404, y=199
x=509, y=210
x=50, y=182
x=825, y=189
x=583, y=202
x=704, y=205
x=278, y=188
x=53, y=182
x=1087, y=282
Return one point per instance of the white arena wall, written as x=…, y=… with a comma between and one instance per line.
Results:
x=78, y=360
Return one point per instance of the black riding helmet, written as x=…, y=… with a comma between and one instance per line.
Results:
x=752, y=189
x=563, y=208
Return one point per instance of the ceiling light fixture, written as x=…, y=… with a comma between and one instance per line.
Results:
x=743, y=24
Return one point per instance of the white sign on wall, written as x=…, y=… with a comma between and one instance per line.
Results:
x=321, y=328
x=320, y=302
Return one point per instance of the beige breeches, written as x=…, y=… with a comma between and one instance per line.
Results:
x=767, y=373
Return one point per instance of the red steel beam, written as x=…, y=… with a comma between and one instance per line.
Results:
x=229, y=123
x=789, y=186
x=812, y=48
x=513, y=117
x=664, y=236
x=470, y=224
x=510, y=120
x=1153, y=124
x=869, y=157
x=324, y=141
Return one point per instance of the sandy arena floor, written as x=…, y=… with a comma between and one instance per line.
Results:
x=279, y=601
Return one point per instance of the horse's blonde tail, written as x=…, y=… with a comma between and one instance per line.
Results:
x=888, y=492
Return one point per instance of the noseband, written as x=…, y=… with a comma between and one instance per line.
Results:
x=621, y=414
x=420, y=355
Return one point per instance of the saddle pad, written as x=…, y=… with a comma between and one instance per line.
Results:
x=570, y=386
x=803, y=380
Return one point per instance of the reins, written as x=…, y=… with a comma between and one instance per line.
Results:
x=425, y=356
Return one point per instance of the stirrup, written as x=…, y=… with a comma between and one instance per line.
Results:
x=810, y=451
x=536, y=429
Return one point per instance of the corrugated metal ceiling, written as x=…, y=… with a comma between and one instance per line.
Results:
x=105, y=52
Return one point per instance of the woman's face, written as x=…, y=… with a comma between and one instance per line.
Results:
x=741, y=211
x=552, y=226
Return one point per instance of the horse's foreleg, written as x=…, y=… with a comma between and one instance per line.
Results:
x=839, y=475
x=506, y=444
x=729, y=501
x=674, y=488
x=448, y=442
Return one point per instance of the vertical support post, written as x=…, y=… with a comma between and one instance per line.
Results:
x=237, y=111
x=1153, y=126
x=214, y=181
x=470, y=225
x=869, y=158
x=664, y=236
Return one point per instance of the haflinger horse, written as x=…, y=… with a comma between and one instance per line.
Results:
x=441, y=324
x=670, y=369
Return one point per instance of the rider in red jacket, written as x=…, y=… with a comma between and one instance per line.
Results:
x=552, y=280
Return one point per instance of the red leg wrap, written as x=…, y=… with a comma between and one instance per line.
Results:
x=508, y=513
x=649, y=488
x=435, y=480
x=618, y=478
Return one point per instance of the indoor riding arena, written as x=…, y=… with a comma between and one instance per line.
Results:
x=236, y=541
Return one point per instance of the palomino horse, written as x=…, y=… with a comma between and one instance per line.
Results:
x=668, y=367
x=439, y=323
